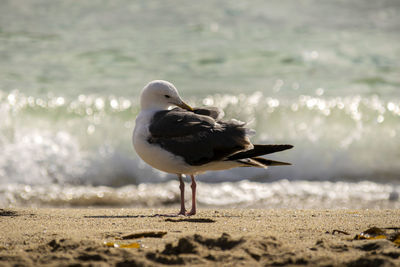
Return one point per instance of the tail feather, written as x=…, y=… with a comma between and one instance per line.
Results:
x=259, y=150
x=260, y=162
x=268, y=162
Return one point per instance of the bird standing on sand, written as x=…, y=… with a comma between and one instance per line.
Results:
x=191, y=141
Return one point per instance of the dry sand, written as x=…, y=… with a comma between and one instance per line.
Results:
x=214, y=237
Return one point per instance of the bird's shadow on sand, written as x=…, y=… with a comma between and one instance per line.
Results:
x=195, y=220
x=169, y=218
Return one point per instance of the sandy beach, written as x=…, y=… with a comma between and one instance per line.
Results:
x=213, y=237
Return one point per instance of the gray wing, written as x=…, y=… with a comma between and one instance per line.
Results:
x=199, y=139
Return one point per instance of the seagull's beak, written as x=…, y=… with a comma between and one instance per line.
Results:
x=184, y=106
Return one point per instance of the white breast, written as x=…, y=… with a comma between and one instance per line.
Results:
x=153, y=154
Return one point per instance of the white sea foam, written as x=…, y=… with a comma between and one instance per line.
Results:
x=280, y=194
x=335, y=138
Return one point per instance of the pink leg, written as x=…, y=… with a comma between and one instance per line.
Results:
x=182, y=188
x=193, y=186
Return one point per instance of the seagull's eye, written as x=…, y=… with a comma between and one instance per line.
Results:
x=167, y=96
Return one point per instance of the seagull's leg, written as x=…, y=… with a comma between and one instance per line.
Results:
x=182, y=188
x=193, y=186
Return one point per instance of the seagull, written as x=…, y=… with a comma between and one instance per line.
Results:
x=190, y=141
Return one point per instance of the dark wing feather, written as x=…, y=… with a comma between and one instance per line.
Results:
x=259, y=150
x=178, y=123
x=212, y=112
x=199, y=139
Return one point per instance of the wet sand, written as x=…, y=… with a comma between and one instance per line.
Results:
x=213, y=237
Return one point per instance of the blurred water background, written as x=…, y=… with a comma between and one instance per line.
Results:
x=321, y=75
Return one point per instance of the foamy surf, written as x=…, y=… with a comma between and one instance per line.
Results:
x=244, y=194
x=87, y=140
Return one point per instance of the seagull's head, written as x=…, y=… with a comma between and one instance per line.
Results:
x=160, y=95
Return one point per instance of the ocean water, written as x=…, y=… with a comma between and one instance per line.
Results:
x=321, y=75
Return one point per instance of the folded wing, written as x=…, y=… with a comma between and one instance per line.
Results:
x=197, y=136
